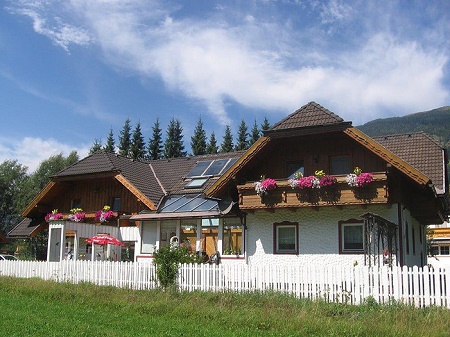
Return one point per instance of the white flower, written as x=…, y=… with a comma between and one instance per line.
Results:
x=293, y=183
x=351, y=180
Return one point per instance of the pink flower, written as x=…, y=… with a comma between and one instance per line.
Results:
x=53, y=216
x=269, y=184
x=103, y=216
x=327, y=180
x=308, y=182
x=364, y=179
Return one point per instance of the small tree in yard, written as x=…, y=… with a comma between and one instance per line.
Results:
x=167, y=261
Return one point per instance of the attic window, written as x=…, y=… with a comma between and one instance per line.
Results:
x=196, y=183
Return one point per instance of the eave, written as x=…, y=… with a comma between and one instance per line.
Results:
x=135, y=191
x=387, y=155
x=33, y=204
x=237, y=166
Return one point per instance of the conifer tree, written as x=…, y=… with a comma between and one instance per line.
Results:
x=124, y=139
x=227, y=142
x=265, y=125
x=212, y=147
x=155, y=147
x=96, y=146
x=173, y=146
x=110, y=144
x=242, y=142
x=198, y=140
x=255, y=134
x=137, y=147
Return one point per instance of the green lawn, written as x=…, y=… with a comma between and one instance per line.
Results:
x=32, y=307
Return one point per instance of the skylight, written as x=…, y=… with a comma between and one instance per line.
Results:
x=197, y=182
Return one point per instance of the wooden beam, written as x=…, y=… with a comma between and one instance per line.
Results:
x=136, y=192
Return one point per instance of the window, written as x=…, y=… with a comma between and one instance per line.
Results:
x=196, y=183
x=440, y=250
x=188, y=234
x=116, y=204
x=407, y=237
x=340, y=165
x=75, y=203
x=351, y=236
x=232, y=238
x=444, y=250
x=285, y=238
x=294, y=167
x=148, y=242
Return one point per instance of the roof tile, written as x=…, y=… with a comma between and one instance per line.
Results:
x=311, y=114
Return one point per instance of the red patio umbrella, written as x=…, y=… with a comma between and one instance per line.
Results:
x=104, y=240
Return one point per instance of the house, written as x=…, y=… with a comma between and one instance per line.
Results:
x=439, y=245
x=376, y=197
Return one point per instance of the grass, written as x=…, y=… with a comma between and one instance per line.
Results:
x=33, y=307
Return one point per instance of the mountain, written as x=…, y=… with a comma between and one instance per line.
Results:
x=435, y=122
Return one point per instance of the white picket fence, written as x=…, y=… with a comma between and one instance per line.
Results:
x=414, y=286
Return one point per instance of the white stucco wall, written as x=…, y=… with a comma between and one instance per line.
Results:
x=318, y=234
x=414, y=256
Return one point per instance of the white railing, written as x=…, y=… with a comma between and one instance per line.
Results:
x=414, y=286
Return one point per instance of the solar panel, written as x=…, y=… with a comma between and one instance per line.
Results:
x=215, y=167
x=198, y=169
x=227, y=166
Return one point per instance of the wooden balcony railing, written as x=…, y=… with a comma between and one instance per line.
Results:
x=284, y=196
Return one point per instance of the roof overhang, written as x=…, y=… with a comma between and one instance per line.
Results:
x=387, y=155
x=237, y=166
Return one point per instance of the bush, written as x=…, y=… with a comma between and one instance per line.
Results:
x=167, y=260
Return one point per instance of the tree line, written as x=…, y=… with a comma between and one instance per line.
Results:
x=131, y=142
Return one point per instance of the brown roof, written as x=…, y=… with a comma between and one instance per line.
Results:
x=138, y=173
x=172, y=172
x=420, y=151
x=311, y=114
x=3, y=239
x=26, y=228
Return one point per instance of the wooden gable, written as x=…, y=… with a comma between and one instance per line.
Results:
x=317, y=145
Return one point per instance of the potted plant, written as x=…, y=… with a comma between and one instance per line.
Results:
x=54, y=215
x=77, y=215
x=105, y=214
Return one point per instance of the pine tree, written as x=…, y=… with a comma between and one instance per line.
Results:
x=155, y=147
x=110, y=144
x=124, y=139
x=173, y=146
x=96, y=146
x=255, y=134
x=242, y=142
x=265, y=125
x=137, y=147
x=212, y=147
x=227, y=142
x=198, y=140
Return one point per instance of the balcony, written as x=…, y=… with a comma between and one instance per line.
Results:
x=284, y=196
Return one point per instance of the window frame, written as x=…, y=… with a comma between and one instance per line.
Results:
x=300, y=167
x=112, y=204
x=285, y=224
x=348, y=223
x=341, y=157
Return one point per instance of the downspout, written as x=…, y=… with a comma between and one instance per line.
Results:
x=400, y=232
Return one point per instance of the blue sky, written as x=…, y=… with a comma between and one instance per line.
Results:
x=72, y=69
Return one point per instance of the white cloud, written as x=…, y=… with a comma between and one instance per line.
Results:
x=31, y=152
x=261, y=64
x=51, y=26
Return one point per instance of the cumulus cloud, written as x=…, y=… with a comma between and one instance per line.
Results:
x=31, y=152
x=256, y=61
